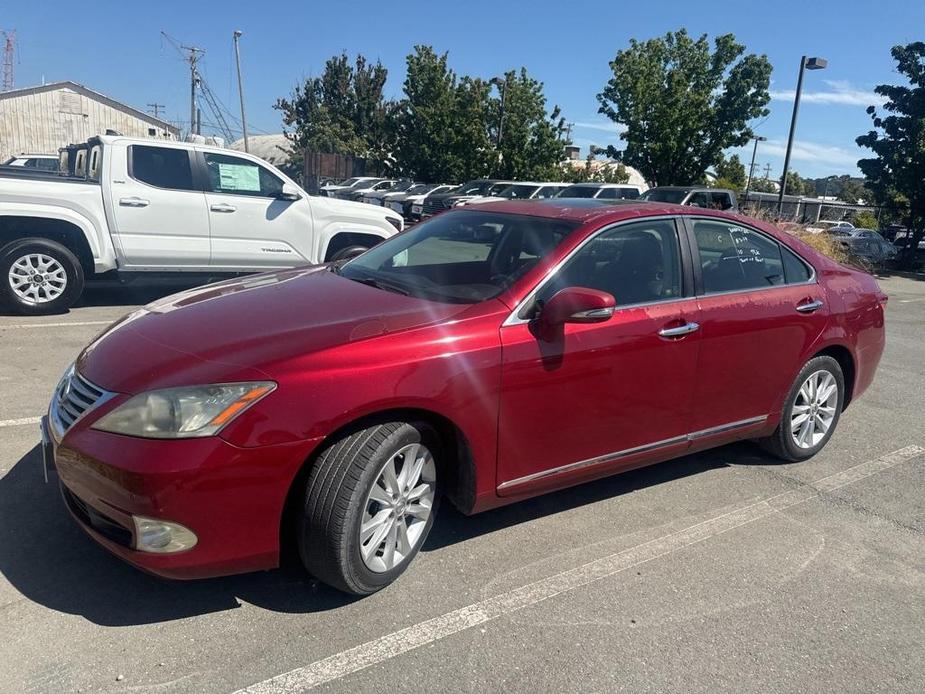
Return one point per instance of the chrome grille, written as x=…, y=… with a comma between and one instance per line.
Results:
x=434, y=205
x=74, y=396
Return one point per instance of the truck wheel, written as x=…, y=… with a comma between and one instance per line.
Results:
x=39, y=276
x=348, y=252
x=369, y=504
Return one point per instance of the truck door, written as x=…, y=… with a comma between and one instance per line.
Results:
x=160, y=219
x=252, y=226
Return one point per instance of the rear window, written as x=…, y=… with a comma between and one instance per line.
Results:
x=579, y=192
x=162, y=167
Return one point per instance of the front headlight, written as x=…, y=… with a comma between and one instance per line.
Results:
x=179, y=413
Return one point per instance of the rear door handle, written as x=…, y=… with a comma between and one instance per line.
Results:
x=222, y=207
x=809, y=306
x=680, y=330
x=133, y=202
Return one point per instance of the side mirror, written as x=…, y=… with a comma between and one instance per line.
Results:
x=574, y=305
x=288, y=192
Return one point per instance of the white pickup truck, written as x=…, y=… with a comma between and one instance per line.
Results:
x=136, y=205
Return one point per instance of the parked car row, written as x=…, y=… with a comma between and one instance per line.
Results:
x=416, y=201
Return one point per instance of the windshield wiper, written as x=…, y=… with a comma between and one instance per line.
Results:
x=379, y=284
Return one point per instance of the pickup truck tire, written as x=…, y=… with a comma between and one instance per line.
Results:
x=349, y=252
x=39, y=276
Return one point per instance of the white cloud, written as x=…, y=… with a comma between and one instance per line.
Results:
x=602, y=125
x=840, y=92
x=812, y=152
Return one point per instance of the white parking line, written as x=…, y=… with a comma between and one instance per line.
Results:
x=19, y=422
x=386, y=647
x=23, y=326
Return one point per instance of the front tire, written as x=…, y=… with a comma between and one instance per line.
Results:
x=39, y=276
x=811, y=411
x=348, y=253
x=369, y=504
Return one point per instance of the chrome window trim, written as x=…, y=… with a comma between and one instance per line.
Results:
x=617, y=455
x=813, y=279
x=513, y=319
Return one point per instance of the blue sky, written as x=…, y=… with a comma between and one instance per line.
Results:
x=116, y=48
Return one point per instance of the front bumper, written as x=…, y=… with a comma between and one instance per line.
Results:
x=232, y=498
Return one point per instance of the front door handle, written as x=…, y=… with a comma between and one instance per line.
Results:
x=133, y=202
x=222, y=207
x=680, y=330
x=809, y=306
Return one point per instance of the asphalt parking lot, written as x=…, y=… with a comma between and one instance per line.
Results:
x=722, y=571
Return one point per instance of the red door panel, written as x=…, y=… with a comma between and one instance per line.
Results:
x=601, y=388
x=752, y=348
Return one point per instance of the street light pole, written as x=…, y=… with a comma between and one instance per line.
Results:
x=751, y=167
x=805, y=64
x=237, y=58
x=501, y=84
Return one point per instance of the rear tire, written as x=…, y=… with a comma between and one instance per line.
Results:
x=810, y=413
x=39, y=276
x=340, y=541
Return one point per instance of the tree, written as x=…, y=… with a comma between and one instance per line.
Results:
x=730, y=173
x=342, y=112
x=531, y=144
x=853, y=192
x=763, y=185
x=896, y=174
x=682, y=104
x=796, y=185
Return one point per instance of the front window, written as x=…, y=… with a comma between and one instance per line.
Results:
x=675, y=197
x=463, y=256
x=636, y=263
x=238, y=176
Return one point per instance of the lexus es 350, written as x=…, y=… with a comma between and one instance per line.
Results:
x=485, y=356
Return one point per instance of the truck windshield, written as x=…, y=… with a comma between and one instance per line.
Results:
x=579, y=192
x=460, y=257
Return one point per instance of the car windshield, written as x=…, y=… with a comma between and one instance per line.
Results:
x=578, y=192
x=472, y=188
x=517, y=192
x=459, y=257
x=670, y=196
x=402, y=186
x=419, y=188
x=349, y=182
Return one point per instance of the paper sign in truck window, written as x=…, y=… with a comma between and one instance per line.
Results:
x=240, y=177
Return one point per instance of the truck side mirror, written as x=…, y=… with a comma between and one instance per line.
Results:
x=288, y=192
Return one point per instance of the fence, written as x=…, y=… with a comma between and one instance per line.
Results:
x=321, y=166
x=803, y=210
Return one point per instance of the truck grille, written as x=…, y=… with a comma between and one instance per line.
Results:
x=74, y=396
x=433, y=206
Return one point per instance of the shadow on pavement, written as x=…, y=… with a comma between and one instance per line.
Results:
x=51, y=561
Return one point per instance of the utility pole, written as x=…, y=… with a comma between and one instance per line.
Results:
x=237, y=59
x=500, y=83
x=9, y=51
x=767, y=172
x=568, y=132
x=751, y=167
x=156, y=109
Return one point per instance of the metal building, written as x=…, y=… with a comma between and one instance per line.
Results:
x=39, y=120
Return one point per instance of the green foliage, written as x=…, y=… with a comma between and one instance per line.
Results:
x=896, y=173
x=731, y=172
x=607, y=173
x=762, y=185
x=343, y=111
x=531, y=145
x=866, y=220
x=682, y=104
x=854, y=192
x=796, y=185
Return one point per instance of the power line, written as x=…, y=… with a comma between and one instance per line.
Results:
x=156, y=109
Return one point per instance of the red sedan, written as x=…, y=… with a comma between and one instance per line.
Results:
x=487, y=355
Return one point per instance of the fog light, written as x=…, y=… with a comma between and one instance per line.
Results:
x=161, y=537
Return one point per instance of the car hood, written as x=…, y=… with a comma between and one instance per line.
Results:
x=240, y=329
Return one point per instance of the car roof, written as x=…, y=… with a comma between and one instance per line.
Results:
x=586, y=210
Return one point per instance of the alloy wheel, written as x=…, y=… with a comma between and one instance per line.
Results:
x=37, y=278
x=397, y=508
x=814, y=409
